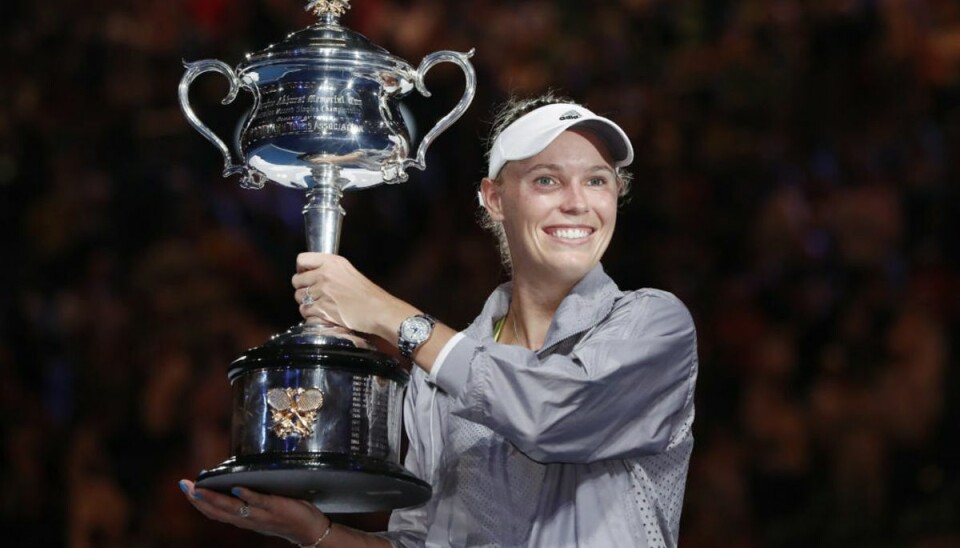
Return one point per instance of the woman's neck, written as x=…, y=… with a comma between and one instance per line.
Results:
x=532, y=306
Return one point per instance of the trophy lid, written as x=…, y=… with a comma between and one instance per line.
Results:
x=329, y=44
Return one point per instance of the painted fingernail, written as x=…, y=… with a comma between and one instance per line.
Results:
x=197, y=495
x=235, y=491
x=183, y=487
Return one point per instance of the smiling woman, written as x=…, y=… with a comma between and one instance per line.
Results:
x=562, y=416
x=558, y=208
x=504, y=147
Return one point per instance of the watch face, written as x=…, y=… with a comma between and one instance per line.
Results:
x=416, y=329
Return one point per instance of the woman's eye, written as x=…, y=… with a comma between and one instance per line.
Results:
x=597, y=181
x=544, y=181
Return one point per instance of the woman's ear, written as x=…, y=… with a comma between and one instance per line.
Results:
x=490, y=194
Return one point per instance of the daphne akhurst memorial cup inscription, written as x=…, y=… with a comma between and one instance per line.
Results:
x=304, y=108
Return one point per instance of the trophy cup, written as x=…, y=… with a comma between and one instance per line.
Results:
x=316, y=409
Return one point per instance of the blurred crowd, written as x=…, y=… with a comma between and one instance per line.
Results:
x=796, y=186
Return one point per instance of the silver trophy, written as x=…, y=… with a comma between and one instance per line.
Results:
x=317, y=410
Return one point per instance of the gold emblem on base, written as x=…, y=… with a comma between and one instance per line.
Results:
x=294, y=410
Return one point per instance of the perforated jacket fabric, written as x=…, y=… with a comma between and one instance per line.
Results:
x=585, y=442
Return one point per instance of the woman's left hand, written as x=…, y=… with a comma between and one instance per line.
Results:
x=341, y=295
x=295, y=520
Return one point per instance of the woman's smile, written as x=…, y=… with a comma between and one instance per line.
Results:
x=570, y=234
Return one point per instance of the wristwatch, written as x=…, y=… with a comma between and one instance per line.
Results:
x=413, y=332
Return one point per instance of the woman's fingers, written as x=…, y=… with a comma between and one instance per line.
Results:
x=254, y=499
x=310, y=260
x=215, y=505
x=308, y=265
x=273, y=515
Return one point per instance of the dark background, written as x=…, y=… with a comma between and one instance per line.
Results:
x=796, y=186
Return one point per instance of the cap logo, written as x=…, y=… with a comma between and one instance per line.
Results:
x=570, y=115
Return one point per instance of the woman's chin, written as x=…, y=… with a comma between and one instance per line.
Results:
x=564, y=269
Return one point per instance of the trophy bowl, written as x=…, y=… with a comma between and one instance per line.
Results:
x=317, y=409
x=325, y=96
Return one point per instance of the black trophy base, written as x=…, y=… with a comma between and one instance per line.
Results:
x=334, y=483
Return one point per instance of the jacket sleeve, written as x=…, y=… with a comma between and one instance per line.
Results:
x=624, y=390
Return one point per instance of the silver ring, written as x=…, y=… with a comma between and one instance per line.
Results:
x=244, y=511
x=307, y=298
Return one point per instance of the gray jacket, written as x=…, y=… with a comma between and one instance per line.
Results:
x=585, y=442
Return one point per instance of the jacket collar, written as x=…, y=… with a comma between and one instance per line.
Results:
x=590, y=300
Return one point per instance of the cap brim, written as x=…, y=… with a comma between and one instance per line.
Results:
x=618, y=144
x=533, y=133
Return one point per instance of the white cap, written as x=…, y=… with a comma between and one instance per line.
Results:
x=528, y=135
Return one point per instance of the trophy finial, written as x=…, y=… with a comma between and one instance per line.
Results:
x=331, y=7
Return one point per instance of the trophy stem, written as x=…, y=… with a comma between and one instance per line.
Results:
x=322, y=214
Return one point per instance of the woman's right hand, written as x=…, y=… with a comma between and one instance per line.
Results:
x=295, y=520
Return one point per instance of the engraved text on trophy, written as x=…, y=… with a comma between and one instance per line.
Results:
x=297, y=108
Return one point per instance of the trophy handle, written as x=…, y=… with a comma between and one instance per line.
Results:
x=470, y=89
x=249, y=178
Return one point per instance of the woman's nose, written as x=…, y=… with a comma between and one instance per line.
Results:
x=574, y=199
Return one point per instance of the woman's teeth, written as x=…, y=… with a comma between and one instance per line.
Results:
x=571, y=233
